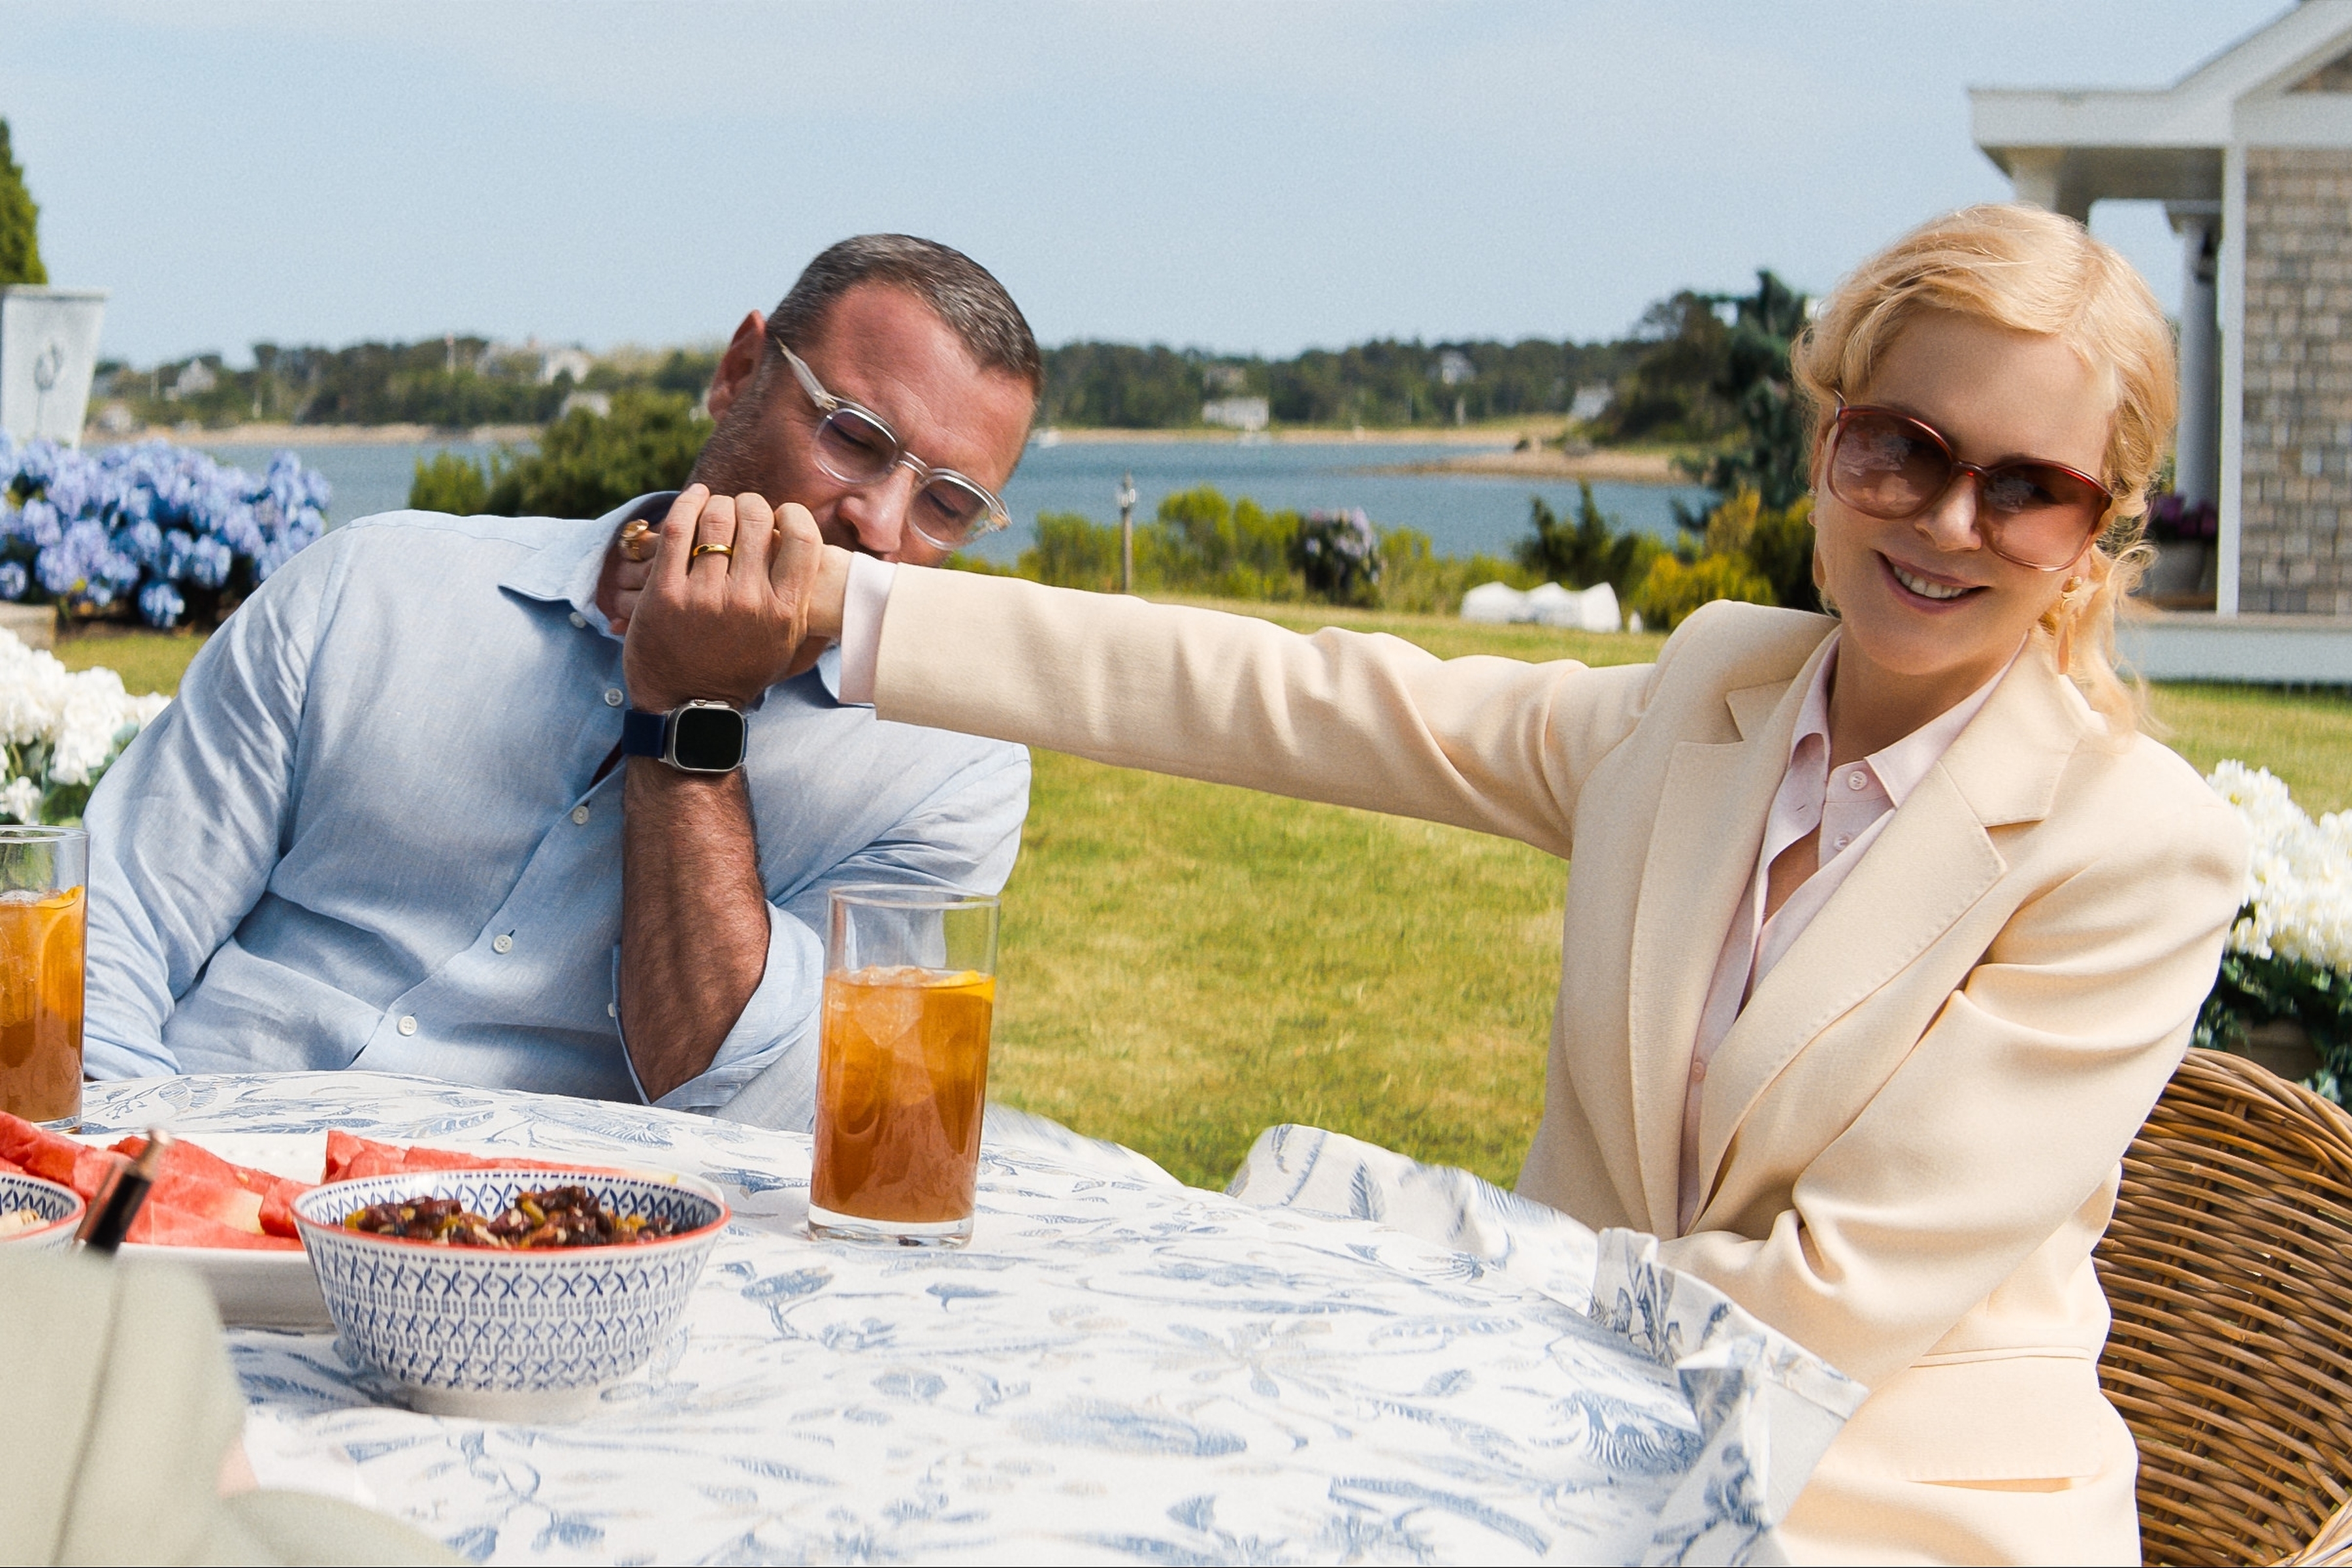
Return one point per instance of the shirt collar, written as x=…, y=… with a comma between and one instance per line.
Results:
x=1901, y=766
x=566, y=571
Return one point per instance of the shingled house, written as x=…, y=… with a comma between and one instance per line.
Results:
x=2251, y=155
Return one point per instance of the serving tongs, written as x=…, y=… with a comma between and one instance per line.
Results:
x=119, y=1199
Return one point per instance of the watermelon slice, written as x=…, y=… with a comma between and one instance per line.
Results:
x=37, y=1151
x=351, y=1158
x=198, y=1182
x=167, y=1225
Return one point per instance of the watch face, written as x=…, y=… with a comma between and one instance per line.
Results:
x=707, y=739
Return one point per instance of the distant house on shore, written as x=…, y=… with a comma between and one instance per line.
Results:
x=2251, y=153
x=1245, y=414
x=196, y=377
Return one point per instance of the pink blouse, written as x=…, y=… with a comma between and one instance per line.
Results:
x=1850, y=808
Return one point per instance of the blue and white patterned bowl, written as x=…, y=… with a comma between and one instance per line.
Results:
x=506, y=1335
x=60, y=1208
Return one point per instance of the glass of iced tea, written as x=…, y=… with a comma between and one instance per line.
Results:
x=902, y=1063
x=44, y=913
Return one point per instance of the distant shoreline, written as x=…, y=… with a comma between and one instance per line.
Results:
x=1548, y=463
x=1489, y=449
x=1312, y=434
x=269, y=435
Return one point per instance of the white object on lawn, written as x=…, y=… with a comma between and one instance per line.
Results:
x=1593, y=609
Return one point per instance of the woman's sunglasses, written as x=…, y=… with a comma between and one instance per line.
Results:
x=854, y=446
x=1891, y=467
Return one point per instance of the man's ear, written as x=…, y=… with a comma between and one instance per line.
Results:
x=739, y=364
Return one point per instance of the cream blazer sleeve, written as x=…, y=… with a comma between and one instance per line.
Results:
x=1492, y=744
x=1909, y=1138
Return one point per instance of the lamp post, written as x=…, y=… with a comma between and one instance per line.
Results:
x=1127, y=533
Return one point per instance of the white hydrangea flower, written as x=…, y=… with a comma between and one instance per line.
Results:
x=20, y=801
x=2299, y=877
x=64, y=725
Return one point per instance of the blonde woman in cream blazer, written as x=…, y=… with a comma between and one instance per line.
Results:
x=1891, y=1126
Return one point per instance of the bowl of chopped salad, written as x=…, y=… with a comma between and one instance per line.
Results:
x=36, y=1215
x=515, y=1295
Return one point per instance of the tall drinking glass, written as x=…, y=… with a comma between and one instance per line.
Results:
x=902, y=1065
x=44, y=915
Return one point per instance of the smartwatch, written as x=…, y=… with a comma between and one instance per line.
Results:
x=702, y=737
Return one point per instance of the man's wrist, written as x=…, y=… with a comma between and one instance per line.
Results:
x=697, y=737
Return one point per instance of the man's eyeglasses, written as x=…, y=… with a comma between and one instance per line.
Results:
x=1893, y=467
x=857, y=446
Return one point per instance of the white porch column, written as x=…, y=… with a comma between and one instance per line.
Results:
x=2033, y=175
x=2231, y=309
x=2197, y=473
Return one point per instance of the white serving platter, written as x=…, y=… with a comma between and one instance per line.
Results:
x=253, y=1289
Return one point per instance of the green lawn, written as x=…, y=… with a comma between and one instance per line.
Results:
x=1184, y=965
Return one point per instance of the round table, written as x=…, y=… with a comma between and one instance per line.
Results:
x=1117, y=1368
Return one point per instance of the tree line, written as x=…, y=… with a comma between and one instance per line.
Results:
x=1684, y=374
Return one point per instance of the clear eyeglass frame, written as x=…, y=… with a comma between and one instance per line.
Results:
x=834, y=411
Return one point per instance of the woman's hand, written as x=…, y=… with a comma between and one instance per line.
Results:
x=723, y=612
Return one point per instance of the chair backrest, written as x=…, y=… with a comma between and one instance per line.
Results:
x=2228, y=1267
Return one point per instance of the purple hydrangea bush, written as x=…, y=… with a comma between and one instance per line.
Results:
x=153, y=527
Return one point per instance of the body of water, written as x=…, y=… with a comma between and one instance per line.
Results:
x=367, y=478
x=1463, y=514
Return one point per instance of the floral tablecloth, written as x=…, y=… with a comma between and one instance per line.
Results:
x=1119, y=1368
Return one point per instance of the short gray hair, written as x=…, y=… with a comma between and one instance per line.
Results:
x=958, y=291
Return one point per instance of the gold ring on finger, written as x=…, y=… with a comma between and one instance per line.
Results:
x=637, y=539
x=702, y=550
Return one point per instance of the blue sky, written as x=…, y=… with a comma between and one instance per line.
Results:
x=1245, y=177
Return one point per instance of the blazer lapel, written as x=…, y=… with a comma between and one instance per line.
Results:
x=1929, y=867
x=1703, y=843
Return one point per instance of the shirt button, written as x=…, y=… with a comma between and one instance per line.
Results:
x=1856, y=779
x=1844, y=839
x=578, y=619
x=408, y=1024
x=612, y=1009
x=580, y=815
x=1698, y=1071
x=612, y=700
x=501, y=943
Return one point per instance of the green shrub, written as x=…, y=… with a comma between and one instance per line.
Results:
x=1673, y=588
x=585, y=465
x=589, y=463
x=1590, y=552
x=1414, y=577
x=1777, y=544
x=1072, y=553
x=449, y=483
x=20, y=243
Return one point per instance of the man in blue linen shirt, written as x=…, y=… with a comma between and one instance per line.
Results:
x=388, y=823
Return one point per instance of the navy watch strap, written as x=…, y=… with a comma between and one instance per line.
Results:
x=641, y=732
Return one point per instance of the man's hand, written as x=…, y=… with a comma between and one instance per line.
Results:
x=730, y=621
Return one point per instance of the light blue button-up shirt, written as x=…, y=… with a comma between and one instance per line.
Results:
x=368, y=833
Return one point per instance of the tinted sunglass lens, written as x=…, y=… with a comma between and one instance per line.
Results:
x=854, y=448
x=1887, y=468
x=2044, y=514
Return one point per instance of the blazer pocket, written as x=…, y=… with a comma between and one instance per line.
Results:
x=2007, y=1418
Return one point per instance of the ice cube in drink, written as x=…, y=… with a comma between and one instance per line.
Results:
x=41, y=937
x=902, y=1075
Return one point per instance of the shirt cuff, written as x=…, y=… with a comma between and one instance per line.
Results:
x=861, y=625
x=775, y=1033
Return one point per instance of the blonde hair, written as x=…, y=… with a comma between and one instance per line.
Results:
x=2030, y=271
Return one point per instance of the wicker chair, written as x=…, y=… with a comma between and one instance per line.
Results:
x=2229, y=1269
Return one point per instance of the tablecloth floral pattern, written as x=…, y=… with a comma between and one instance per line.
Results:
x=1120, y=1368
